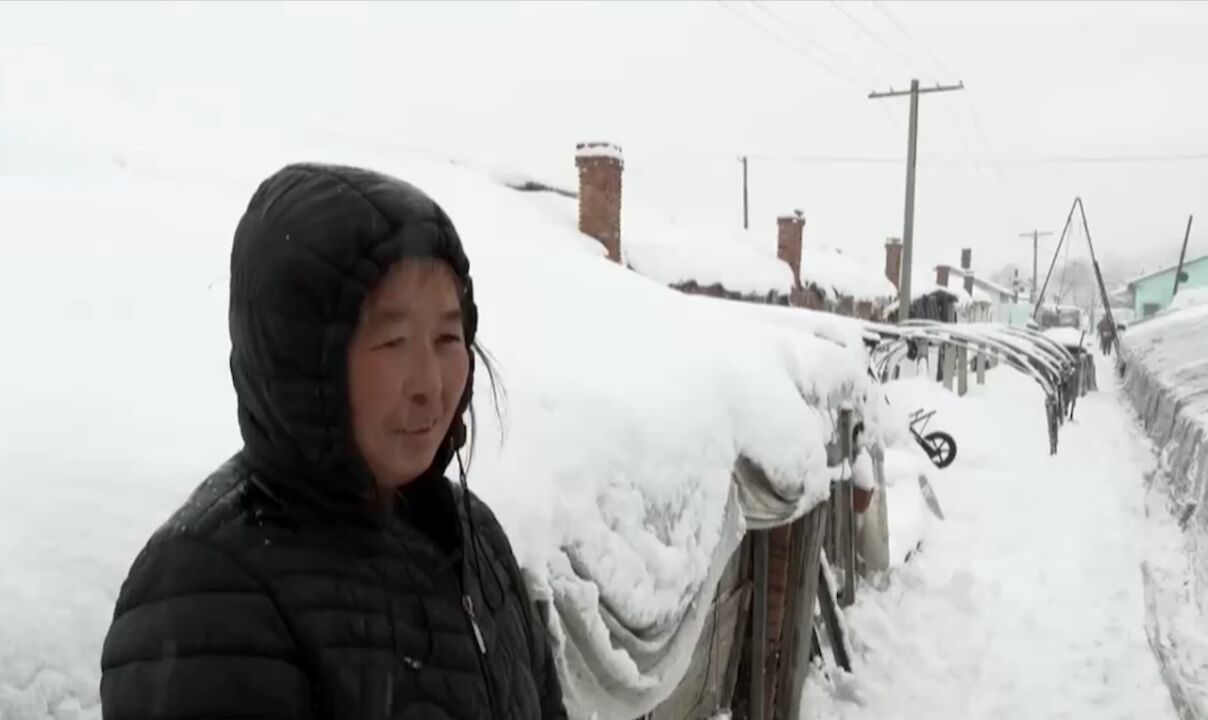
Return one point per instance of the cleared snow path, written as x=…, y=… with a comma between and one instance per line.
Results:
x=1027, y=602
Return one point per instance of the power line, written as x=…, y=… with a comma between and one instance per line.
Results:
x=891, y=160
x=791, y=47
x=905, y=33
x=876, y=38
x=795, y=29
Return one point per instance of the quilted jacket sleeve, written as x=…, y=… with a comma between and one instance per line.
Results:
x=197, y=636
x=544, y=667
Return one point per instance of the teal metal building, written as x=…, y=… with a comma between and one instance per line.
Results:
x=1153, y=292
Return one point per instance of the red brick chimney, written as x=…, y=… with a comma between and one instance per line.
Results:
x=893, y=261
x=941, y=275
x=789, y=232
x=600, y=166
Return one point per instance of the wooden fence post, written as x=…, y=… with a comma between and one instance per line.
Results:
x=981, y=365
x=948, y=365
x=846, y=511
x=759, y=626
x=962, y=377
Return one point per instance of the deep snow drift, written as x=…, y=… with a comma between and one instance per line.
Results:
x=1167, y=379
x=626, y=406
x=1026, y=602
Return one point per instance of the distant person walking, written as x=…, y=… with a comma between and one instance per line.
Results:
x=1105, y=336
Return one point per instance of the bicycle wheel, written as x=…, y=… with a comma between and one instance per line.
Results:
x=943, y=448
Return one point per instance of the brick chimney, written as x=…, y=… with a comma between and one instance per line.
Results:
x=941, y=275
x=789, y=232
x=600, y=166
x=967, y=266
x=893, y=261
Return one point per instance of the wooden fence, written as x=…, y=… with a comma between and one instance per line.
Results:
x=776, y=613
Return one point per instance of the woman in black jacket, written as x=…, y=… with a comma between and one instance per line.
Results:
x=329, y=570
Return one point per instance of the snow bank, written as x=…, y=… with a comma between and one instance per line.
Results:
x=1068, y=337
x=627, y=405
x=1193, y=297
x=1166, y=360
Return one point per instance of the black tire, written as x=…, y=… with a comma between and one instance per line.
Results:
x=943, y=448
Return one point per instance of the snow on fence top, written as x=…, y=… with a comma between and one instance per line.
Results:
x=626, y=407
x=1167, y=368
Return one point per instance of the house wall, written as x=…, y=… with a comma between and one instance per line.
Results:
x=1157, y=291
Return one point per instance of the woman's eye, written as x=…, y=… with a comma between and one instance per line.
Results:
x=391, y=343
x=449, y=338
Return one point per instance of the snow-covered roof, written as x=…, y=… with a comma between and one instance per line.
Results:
x=741, y=261
x=978, y=280
x=674, y=253
x=1163, y=271
x=842, y=274
x=921, y=290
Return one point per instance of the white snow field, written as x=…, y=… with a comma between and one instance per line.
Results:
x=626, y=407
x=1027, y=601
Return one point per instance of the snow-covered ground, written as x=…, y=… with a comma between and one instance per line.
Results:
x=1027, y=601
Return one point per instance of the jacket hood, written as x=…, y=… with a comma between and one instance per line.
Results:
x=314, y=242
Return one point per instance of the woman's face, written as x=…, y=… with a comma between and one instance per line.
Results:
x=408, y=364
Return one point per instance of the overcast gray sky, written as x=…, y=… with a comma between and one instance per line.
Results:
x=231, y=89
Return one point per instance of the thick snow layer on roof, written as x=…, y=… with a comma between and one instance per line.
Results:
x=829, y=268
x=672, y=253
x=841, y=274
x=985, y=284
x=627, y=405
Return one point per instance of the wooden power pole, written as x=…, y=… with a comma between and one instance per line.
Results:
x=1182, y=256
x=912, y=142
x=1035, y=235
x=746, y=214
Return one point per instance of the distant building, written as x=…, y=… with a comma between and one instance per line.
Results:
x=1152, y=292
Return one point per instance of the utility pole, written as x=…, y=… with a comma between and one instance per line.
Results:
x=746, y=216
x=912, y=142
x=1182, y=256
x=1035, y=235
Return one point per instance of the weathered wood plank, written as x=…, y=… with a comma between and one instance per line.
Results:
x=799, y=648
x=830, y=616
x=759, y=627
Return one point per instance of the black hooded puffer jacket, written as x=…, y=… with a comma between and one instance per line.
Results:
x=274, y=592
